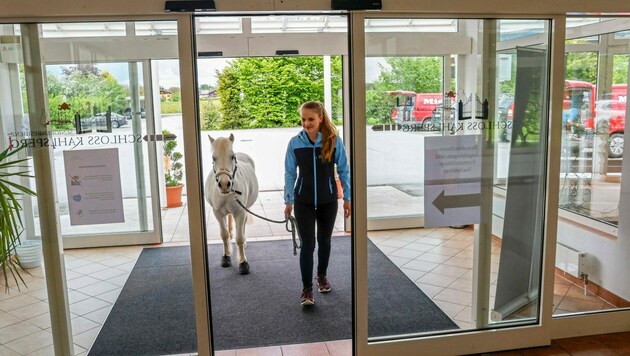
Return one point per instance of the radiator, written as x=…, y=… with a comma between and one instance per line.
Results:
x=571, y=261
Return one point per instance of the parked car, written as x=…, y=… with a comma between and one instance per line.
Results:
x=128, y=113
x=436, y=122
x=506, y=107
x=100, y=120
x=610, y=120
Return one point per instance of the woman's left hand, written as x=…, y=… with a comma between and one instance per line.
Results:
x=347, y=209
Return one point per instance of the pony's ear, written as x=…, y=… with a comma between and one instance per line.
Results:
x=211, y=139
x=232, y=137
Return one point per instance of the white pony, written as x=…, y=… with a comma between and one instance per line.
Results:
x=233, y=177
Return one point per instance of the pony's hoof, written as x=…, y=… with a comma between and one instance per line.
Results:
x=243, y=267
x=226, y=261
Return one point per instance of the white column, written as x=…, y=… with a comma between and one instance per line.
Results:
x=52, y=243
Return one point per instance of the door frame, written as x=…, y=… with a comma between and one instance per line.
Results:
x=475, y=341
x=464, y=342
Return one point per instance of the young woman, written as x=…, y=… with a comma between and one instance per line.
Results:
x=313, y=193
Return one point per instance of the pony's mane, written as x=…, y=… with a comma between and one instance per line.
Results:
x=221, y=145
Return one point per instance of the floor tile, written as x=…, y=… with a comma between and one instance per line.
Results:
x=41, y=321
x=7, y=319
x=17, y=331
x=430, y=290
x=98, y=288
x=454, y=296
x=339, y=347
x=420, y=265
x=585, y=346
x=81, y=324
x=5, y=351
x=17, y=301
x=86, y=338
x=46, y=351
x=30, y=311
x=31, y=342
x=618, y=342
x=435, y=279
x=312, y=349
x=99, y=316
x=87, y=306
x=262, y=351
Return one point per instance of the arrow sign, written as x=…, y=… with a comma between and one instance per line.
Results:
x=168, y=137
x=443, y=202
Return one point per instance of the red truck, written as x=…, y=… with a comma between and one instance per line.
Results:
x=607, y=115
x=415, y=108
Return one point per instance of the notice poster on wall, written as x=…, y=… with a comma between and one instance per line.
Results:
x=93, y=186
x=452, y=180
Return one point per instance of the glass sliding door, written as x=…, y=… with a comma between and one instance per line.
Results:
x=592, y=246
x=103, y=84
x=440, y=150
x=253, y=73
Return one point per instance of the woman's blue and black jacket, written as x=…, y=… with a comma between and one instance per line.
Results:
x=316, y=181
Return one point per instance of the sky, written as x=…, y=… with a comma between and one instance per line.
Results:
x=168, y=70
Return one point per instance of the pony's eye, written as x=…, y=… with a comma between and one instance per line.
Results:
x=214, y=159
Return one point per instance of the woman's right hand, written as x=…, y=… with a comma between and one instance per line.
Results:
x=288, y=208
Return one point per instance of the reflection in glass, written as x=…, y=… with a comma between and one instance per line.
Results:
x=589, y=233
x=402, y=84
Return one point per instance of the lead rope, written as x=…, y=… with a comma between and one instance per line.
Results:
x=289, y=221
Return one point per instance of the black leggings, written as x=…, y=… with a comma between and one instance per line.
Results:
x=307, y=216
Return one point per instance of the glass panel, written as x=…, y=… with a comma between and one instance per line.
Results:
x=581, y=21
x=590, y=250
x=218, y=25
x=511, y=29
x=427, y=170
x=299, y=24
x=622, y=35
x=411, y=25
x=20, y=229
x=101, y=121
x=85, y=29
x=255, y=100
x=156, y=28
x=90, y=107
x=406, y=94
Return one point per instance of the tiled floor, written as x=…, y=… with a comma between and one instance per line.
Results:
x=439, y=261
x=595, y=345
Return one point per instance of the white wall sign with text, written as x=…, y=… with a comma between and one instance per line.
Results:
x=93, y=185
x=452, y=180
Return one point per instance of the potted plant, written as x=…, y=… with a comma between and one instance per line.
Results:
x=11, y=226
x=173, y=173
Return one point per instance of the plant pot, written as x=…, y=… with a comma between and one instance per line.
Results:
x=174, y=196
x=30, y=253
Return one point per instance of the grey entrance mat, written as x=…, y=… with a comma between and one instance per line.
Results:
x=154, y=313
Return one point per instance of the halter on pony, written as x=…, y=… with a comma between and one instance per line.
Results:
x=224, y=171
x=224, y=155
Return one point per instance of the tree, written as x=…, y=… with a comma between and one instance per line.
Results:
x=266, y=92
x=620, y=69
x=418, y=74
x=233, y=111
x=87, y=90
x=582, y=66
